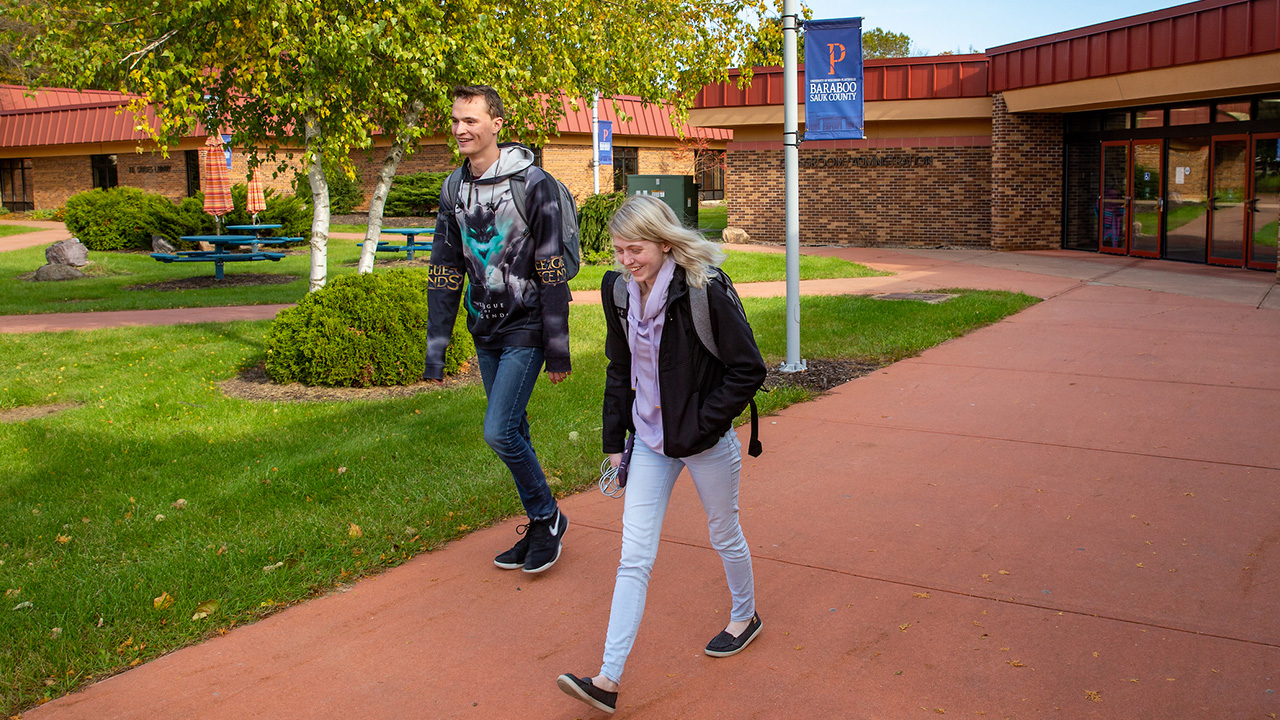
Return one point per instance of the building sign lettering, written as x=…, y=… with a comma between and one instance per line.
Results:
x=149, y=169
x=868, y=161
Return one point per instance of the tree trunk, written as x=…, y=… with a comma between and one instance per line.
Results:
x=320, y=203
x=380, y=190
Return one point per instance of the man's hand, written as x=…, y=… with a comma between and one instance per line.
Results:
x=558, y=377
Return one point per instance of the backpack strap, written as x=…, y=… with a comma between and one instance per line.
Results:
x=520, y=188
x=620, y=291
x=450, y=189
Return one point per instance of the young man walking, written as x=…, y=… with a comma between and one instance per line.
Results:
x=517, y=301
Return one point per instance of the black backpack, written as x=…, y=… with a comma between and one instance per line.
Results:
x=570, y=246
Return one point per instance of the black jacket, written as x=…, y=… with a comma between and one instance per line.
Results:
x=700, y=395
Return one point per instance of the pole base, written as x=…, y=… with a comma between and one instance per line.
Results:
x=798, y=366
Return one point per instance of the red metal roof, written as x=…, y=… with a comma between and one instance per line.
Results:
x=919, y=78
x=1192, y=33
x=643, y=119
x=60, y=117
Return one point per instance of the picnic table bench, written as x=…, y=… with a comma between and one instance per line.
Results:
x=410, y=246
x=223, y=253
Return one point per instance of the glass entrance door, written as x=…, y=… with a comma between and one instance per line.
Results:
x=1264, y=205
x=1187, y=220
x=1113, y=236
x=1147, y=192
x=1228, y=206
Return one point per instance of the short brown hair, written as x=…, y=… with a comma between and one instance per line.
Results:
x=491, y=97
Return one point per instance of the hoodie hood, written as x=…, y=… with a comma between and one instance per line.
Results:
x=513, y=158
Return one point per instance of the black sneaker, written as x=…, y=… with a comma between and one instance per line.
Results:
x=584, y=690
x=724, y=644
x=513, y=559
x=544, y=542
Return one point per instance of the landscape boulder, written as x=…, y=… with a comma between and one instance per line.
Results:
x=160, y=245
x=57, y=271
x=735, y=235
x=67, y=252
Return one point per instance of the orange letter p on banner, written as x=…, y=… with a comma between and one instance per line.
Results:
x=831, y=53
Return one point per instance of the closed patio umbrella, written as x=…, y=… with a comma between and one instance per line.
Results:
x=217, y=180
x=257, y=199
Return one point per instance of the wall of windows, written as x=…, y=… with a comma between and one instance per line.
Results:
x=1198, y=182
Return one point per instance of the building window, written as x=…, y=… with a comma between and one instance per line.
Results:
x=15, y=184
x=626, y=161
x=709, y=167
x=104, y=171
x=537, y=156
x=1197, y=115
x=192, y=158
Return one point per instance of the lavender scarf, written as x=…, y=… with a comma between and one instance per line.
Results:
x=644, y=335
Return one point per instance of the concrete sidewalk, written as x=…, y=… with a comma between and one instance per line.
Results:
x=1072, y=513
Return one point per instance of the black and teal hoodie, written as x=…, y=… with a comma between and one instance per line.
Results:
x=516, y=290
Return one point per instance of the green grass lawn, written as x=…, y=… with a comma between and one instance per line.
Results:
x=156, y=498
x=108, y=288
x=7, y=230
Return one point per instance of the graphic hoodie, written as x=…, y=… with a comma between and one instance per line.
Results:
x=516, y=293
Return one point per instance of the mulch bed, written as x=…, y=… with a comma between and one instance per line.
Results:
x=228, y=280
x=819, y=375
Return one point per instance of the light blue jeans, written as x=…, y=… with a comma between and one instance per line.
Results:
x=650, y=480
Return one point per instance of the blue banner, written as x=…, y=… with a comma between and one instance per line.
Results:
x=833, y=79
x=606, y=142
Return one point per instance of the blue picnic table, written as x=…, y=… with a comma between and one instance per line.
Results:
x=410, y=245
x=222, y=252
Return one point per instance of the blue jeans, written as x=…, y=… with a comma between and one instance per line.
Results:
x=650, y=478
x=509, y=375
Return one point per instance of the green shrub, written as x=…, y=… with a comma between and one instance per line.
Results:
x=173, y=221
x=415, y=195
x=360, y=331
x=111, y=219
x=290, y=212
x=345, y=192
x=593, y=225
x=4, y=210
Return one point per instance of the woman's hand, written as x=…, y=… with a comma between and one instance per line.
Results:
x=615, y=459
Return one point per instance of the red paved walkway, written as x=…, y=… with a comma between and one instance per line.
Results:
x=1072, y=513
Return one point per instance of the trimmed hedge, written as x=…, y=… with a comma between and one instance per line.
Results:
x=414, y=195
x=113, y=219
x=360, y=331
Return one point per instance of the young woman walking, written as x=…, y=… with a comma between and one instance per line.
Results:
x=664, y=385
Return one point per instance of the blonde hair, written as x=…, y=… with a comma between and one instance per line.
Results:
x=644, y=217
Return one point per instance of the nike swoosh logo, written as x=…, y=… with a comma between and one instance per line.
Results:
x=555, y=527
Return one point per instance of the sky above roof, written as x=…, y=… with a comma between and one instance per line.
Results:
x=936, y=26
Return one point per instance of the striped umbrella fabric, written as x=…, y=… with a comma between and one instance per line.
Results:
x=257, y=199
x=217, y=180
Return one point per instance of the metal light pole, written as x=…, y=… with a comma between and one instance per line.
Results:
x=595, y=140
x=791, y=145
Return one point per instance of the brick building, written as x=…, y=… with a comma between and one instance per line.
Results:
x=62, y=142
x=1156, y=135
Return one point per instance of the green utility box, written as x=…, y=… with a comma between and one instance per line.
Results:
x=679, y=192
